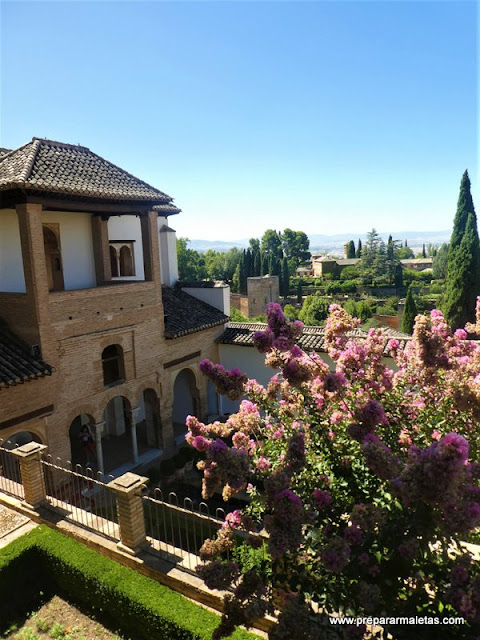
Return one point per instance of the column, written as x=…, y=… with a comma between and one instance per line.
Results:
x=133, y=425
x=128, y=491
x=35, y=271
x=98, y=428
x=150, y=245
x=31, y=471
x=101, y=249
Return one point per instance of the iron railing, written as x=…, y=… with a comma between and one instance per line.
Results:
x=81, y=497
x=10, y=477
x=177, y=531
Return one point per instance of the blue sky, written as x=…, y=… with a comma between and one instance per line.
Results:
x=327, y=117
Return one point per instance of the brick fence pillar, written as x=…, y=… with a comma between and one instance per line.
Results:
x=128, y=490
x=31, y=471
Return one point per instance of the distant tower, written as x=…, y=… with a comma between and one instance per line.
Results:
x=345, y=250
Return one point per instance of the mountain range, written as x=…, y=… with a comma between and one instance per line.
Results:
x=320, y=243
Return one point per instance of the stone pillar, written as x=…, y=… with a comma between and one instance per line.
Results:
x=98, y=428
x=101, y=250
x=128, y=490
x=150, y=244
x=31, y=471
x=35, y=272
x=133, y=425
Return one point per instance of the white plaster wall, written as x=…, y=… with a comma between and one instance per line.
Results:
x=77, y=248
x=218, y=297
x=129, y=228
x=168, y=253
x=182, y=397
x=11, y=265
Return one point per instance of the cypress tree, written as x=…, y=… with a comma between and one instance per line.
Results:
x=409, y=313
x=424, y=253
x=462, y=285
x=351, y=249
x=464, y=207
x=242, y=277
x=285, y=280
x=299, y=292
x=263, y=264
x=358, y=253
x=257, y=268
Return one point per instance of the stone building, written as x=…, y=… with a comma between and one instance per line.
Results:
x=93, y=329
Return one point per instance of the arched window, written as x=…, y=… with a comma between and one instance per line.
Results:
x=113, y=262
x=53, y=259
x=112, y=361
x=126, y=261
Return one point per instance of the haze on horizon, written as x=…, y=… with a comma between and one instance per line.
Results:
x=326, y=117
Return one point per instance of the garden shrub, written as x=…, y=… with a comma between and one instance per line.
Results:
x=48, y=562
x=365, y=478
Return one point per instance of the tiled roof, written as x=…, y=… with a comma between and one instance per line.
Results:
x=185, y=314
x=311, y=339
x=166, y=209
x=72, y=170
x=17, y=365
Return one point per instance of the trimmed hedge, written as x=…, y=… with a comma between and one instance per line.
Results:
x=44, y=562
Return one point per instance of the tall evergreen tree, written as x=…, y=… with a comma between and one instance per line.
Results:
x=257, y=264
x=299, y=292
x=462, y=284
x=409, y=313
x=263, y=264
x=351, y=250
x=358, y=253
x=285, y=280
x=464, y=207
x=242, y=276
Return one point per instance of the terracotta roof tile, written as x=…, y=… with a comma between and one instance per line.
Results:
x=17, y=365
x=312, y=338
x=185, y=314
x=72, y=170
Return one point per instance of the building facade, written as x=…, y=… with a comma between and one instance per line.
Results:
x=93, y=329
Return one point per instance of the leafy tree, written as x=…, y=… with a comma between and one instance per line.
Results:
x=351, y=250
x=314, y=310
x=440, y=262
x=237, y=316
x=462, y=285
x=373, y=262
x=409, y=313
x=405, y=253
x=254, y=245
x=271, y=243
x=290, y=312
x=191, y=264
x=295, y=246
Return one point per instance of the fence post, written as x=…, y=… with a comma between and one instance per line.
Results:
x=31, y=471
x=128, y=492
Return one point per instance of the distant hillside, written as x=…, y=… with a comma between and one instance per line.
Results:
x=334, y=243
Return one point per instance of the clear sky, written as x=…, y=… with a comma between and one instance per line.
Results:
x=327, y=117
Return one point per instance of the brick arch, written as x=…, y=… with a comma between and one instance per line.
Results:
x=194, y=369
x=152, y=384
x=13, y=431
x=85, y=409
x=125, y=392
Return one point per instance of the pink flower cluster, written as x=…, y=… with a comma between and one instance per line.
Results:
x=228, y=383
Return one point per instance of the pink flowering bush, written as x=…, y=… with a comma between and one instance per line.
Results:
x=363, y=481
